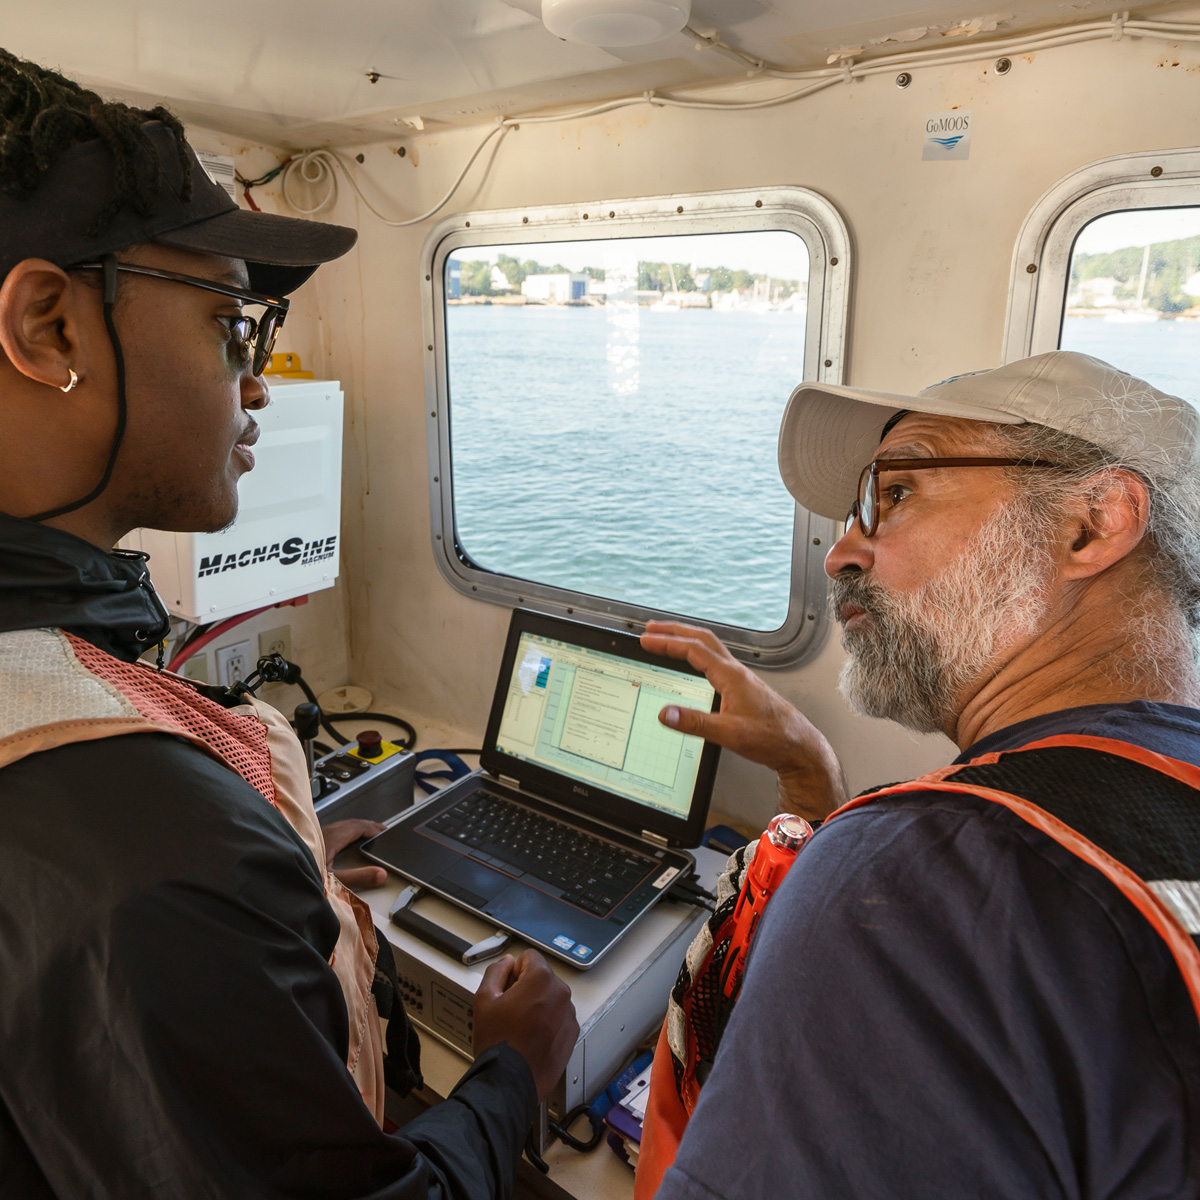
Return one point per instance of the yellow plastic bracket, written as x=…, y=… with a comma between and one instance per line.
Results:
x=287, y=366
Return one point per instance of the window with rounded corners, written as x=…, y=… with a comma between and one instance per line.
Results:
x=605, y=384
x=1108, y=263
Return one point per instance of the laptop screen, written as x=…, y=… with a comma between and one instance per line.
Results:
x=593, y=717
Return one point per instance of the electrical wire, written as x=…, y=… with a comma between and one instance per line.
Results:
x=399, y=722
x=318, y=168
x=201, y=640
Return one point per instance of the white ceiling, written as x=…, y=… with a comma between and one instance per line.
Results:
x=293, y=73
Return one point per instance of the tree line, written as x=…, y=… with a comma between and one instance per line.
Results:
x=475, y=277
x=1170, y=266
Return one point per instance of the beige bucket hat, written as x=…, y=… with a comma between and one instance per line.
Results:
x=830, y=433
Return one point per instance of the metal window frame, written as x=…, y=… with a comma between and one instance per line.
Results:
x=1042, y=257
x=790, y=209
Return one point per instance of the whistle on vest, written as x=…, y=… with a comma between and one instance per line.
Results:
x=781, y=841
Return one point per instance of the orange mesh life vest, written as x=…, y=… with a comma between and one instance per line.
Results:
x=56, y=689
x=1132, y=814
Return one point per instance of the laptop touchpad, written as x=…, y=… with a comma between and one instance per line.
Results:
x=471, y=882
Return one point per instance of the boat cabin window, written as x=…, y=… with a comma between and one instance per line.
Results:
x=605, y=398
x=1109, y=264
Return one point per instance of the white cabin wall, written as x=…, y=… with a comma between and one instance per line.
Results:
x=932, y=249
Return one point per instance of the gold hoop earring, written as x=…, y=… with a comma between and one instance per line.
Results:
x=72, y=383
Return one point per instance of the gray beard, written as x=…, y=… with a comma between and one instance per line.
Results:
x=914, y=657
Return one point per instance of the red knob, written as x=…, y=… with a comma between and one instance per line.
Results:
x=370, y=744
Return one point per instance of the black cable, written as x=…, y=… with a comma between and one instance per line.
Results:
x=399, y=722
x=449, y=750
x=569, y=1139
x=325, y=722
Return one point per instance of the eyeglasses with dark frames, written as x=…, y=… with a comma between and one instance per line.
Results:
x=865, y=510
x=255, y=338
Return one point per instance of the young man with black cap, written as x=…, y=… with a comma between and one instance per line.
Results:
x=983, y=982
x=189, y=996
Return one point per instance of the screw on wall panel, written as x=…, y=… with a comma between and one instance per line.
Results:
x=360, y=158
x=468, y=224
x=757, y=655
x=585, y=216
x=1031, y=269
x=434, y=413
x=524, y=220
x=428, y=347
x=474, y=588
x=570, y=611
x=612, y=212
x=833, y=262
x=1155, y=172
x=439, y=537
x=812, y=616
x=435, y=479
x=758, y=204
x=816, y=541
x=520, y=599
x=428, y=278
x=903, y=79
x=829, y=362
x=679, y=209
x=400, y=150
x=373, y=76
x=1003, y=66
x=628, y=624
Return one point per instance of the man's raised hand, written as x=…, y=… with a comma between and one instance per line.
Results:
x=754, y=721
x=522, y=1002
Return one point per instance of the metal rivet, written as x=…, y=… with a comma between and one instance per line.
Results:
x=524, y=220
x=829, y=362
x=585, y=216
x=435, y=479
x=428, y=278
x=757, y=655
x=680, y=208
x=611, y=213
x=360, y=158
x=816, y=541
x=833, y=262
x=434, y=413
x=1003, y=66
x=1155, y=172
x=812, y=616
x=402, y=151
x=570, y=611
x=468, y=224
x=1031, y=269
x=758, y=204
x=428, y=347
x=439, y=537
x=903, y=79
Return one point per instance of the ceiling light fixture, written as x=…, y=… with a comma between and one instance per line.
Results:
x=615, y=22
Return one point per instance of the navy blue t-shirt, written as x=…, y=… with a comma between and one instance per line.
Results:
x=944, y=1002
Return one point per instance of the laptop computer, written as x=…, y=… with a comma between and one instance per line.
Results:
x=569, y=831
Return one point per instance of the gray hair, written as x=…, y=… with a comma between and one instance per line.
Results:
x=1172, y=537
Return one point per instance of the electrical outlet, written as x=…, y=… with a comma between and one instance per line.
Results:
x=233, y=663
x=196, y=668
x=276, y=641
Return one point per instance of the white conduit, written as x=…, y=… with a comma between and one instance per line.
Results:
x=318, y=168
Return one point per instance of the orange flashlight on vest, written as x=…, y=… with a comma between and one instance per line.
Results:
x=777, y=849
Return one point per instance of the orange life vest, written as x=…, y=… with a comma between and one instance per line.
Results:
x=1171, y=905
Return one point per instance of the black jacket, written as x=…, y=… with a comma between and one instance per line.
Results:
x=169, y=1024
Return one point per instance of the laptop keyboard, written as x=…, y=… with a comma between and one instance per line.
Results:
x=551, y=855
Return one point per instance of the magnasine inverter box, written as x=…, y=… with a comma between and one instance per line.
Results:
x=285, y=541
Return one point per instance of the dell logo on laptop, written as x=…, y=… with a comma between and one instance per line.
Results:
x=582, y=791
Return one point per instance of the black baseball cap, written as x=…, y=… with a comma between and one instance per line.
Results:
x=58, y=220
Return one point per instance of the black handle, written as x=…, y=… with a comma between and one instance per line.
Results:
x=308, y=721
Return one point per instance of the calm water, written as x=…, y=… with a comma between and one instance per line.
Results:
x=631, y=454
x=628, y=454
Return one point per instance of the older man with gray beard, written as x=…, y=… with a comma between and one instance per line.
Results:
x=984, y=982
